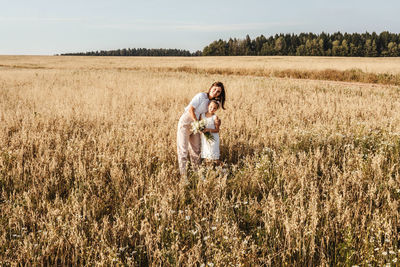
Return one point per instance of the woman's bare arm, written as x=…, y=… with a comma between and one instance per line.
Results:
x=192, y=114
x=217, y=122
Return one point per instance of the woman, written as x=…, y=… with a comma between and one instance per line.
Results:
x=187, y=142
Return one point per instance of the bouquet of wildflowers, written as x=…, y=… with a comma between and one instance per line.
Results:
x=199, y=126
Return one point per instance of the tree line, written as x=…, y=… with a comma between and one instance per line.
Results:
x=309, y=44
x=385, y=44
x=138, y=52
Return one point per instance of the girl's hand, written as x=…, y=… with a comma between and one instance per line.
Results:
x=205, y=130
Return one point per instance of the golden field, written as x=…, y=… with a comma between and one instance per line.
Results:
x=89, y=175
x=375, y=65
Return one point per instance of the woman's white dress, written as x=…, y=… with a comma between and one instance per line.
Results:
x=209, y=149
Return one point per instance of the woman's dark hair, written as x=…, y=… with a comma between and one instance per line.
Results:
x=221, y=97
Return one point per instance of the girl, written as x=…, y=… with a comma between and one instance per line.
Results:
x=186, y=140
x=210, y=148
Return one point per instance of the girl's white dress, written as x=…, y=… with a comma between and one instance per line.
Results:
x=209, y=149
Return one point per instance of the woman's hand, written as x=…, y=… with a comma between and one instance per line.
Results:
x=217, y=122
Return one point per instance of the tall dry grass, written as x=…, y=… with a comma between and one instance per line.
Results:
x=88, y=170
x=364, y=70
x=280, y=63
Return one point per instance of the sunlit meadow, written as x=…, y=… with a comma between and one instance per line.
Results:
x=89, y=175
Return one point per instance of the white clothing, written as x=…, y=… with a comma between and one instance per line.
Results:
x=209, y=149
x=200, y=104
x=188, y=144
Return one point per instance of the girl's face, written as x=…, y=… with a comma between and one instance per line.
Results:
x=212, y=108
x=215, y=91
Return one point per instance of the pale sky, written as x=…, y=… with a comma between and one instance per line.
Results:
x=47, y=27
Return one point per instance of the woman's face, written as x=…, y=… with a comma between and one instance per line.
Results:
x=215, y=91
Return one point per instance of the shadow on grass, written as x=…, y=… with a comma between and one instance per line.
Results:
x=236, y=152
